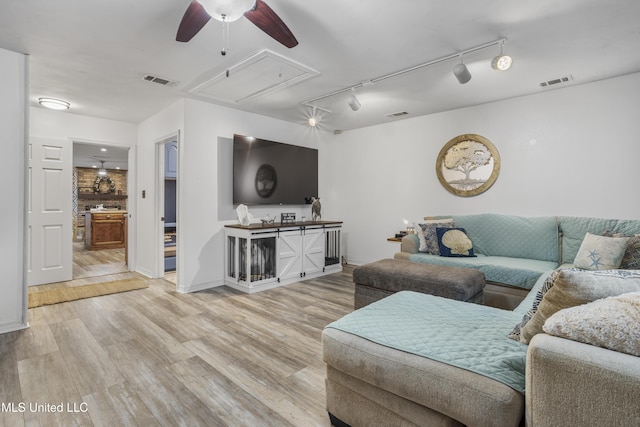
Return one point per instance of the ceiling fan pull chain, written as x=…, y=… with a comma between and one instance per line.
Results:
x=225, y=35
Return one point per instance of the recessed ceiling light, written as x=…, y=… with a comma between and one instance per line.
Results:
x=54, y=104
x=103, y=149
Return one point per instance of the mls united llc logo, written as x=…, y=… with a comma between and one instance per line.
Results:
x=22, y=407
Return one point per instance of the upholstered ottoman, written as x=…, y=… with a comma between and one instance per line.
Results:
x=385, y=277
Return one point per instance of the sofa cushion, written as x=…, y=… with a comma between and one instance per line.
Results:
x=575, y=228
x=575, y=287
x=443, y=330
x=519, y=272
x=612, y=323
x=428, y=236
x=600, y=252
x=512, y=236
x=631, y=258
x=454, y=242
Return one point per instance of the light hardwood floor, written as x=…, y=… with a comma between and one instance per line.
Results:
x=158, y=357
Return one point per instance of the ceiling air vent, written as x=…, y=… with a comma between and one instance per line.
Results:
x=556, y=81
x=398, y=114
x=160, y=80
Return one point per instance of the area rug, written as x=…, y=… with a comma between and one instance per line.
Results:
x=56, y=296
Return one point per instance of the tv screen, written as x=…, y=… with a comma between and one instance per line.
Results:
x=268, y=172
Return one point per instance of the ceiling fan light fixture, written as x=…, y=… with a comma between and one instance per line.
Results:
x=461, y=72
x=54, y=104
x=227, y=10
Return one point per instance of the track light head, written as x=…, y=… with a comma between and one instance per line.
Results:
x=354, y=103
x=462, y=73
x=501, y=62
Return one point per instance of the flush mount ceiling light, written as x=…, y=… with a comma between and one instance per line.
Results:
x=54, y=104
x=353, y=101
x=501, y=62
x=461, y=72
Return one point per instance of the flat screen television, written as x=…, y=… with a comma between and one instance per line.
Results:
x=273, y=173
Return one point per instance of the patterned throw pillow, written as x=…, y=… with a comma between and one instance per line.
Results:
x=454, y=242
x=612, y=323
x=428, y=237
x=600, y=252
x=631, y=258
x=572, y=288
x=548, y=283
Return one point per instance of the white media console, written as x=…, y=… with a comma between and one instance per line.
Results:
x=259, y=257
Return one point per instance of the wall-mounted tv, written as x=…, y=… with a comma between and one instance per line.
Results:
x=273, y=173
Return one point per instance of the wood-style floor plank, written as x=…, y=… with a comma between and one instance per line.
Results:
x=158, y=357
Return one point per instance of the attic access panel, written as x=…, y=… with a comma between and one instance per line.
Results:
x=260, y=74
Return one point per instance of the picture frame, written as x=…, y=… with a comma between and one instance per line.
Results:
x=468, y=165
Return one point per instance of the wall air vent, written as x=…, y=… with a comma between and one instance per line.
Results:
x=556, y=81
x=159, y=80
x=398, y=114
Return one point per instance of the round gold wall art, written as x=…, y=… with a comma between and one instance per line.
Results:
x=468, y=165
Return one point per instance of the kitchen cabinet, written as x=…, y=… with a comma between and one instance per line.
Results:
x=105, y=229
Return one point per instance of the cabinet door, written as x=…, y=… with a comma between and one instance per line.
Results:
x=313, y=251
x=289, y=254
x=171, y=160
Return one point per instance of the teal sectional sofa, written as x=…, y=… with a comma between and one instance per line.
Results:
x=513, y=251
x=413, y=359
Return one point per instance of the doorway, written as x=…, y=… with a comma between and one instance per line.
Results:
x=100, y=202
x=167, y=150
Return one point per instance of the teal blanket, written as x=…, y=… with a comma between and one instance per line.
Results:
x=468, y=336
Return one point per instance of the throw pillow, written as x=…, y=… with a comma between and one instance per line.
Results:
x=612, y=323
x=428, y=237
x=548, y=283
x=454, y=242
x=631, y=257
x=575, y=287
x=600, y=252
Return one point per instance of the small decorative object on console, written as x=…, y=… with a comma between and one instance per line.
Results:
x=315, y=209
x=243, y=215
x=267, y=220
x=286, y=218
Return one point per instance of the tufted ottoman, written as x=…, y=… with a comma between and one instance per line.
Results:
x=385, y=277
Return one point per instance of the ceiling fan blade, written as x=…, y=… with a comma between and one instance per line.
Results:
x=266, y=19
x=193, y=20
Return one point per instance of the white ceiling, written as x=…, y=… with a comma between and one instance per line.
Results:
x=94, y=53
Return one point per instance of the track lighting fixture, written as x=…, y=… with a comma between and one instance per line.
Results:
x=54, y=104
x=501, y=62
x=353, y=101
x=461, y=72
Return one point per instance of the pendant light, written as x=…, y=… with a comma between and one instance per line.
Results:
x=102, y=171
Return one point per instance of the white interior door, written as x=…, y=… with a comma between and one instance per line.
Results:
x=50, y=232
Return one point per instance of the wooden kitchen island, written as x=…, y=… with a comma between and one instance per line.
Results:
x=105, y=229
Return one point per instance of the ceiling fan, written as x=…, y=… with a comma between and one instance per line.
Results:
x=257, y=11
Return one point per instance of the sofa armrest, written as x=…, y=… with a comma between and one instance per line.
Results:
x=410, y=244
x=574, y=384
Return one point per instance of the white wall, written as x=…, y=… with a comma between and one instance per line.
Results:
x=13, y=113
x=65, y=125
x=572, y=151
x=200, y=228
